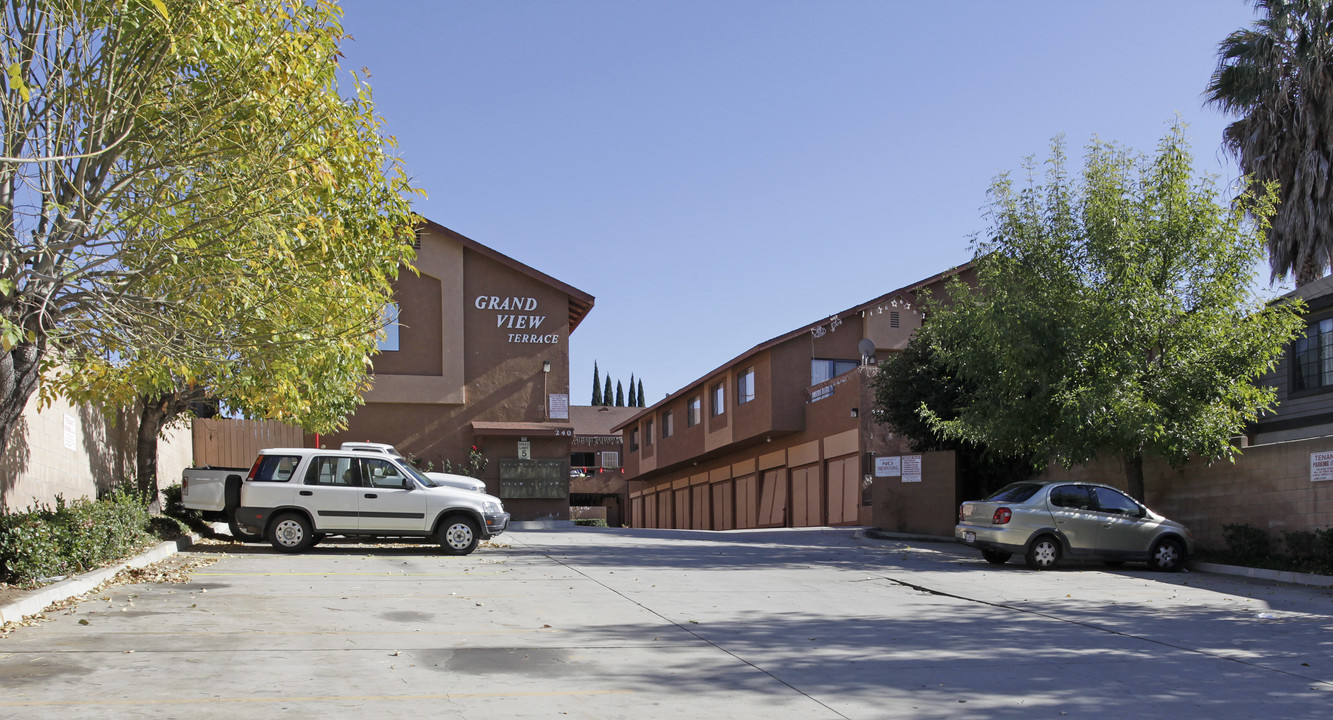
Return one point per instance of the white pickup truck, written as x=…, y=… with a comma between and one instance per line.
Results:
x=296, y=496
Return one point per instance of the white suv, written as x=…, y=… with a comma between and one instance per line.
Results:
x=296, y=496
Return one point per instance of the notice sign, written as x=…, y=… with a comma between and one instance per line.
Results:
x=911, y=468
x=888, y=466
x=524, y=450
x=1321, y=466
x=559, y=407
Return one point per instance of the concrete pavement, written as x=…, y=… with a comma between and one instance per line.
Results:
x=647, y=623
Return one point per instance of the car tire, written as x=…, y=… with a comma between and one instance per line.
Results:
x=1044, y=553
x=996, y=557
x=1168, y=555
x=459, y=535
x=291, y=533
x=240, y=534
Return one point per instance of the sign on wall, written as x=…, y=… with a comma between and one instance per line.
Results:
x=1321, y=466
x=888, y=466
x=524, y=450
x=519, y=315
x=911, y=468
x=560, y=407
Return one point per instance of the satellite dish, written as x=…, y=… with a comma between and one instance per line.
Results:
x=867, y=348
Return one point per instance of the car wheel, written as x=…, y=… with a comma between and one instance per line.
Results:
x=240, y=534
x=291, y=533
x=459, y=535
x=1167, y=555
x=1043, y=553
x=996, y=557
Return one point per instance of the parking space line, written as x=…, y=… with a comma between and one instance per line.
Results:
x=309, y=698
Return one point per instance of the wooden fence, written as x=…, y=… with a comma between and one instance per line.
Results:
x=225, y=443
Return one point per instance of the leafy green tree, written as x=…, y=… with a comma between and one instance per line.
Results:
x=596, y=386
x=606, y=393
x=208, y=214
x=641, y=403
x=1113, y=315
x=620, y=395
x=913, y=378
x=1278, y=77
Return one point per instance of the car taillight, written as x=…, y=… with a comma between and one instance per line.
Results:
x=1001, y=516
x=254, y=469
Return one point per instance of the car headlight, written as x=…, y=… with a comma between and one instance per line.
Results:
x=490, y=507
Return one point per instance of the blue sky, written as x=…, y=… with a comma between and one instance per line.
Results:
x=720, y=173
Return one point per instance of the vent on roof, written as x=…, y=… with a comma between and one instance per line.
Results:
x=416, y=240
x=893, y=318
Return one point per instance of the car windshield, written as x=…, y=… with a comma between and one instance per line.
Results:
x=417, y=475
x=1015, y=493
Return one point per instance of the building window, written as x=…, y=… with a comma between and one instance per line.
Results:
x=745, y=386
x=389, y=330
x=719, y=399
x=610, y=459
x=668, y=424
x=822, y=369
x=634, y=439
x=1312, y=358
x=695, y=412
x=648, y=433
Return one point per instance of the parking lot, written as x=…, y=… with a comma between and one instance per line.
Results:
x=595, y=623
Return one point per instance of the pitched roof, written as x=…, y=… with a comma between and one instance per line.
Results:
x=580, y=303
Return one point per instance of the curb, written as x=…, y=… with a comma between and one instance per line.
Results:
x=38, y=600
x=1282, y=576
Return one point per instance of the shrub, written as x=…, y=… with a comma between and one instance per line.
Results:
x=1247, y=542
x=172, y=506
x=590, y=522
x=45, y=541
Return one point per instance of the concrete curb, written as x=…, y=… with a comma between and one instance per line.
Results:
x=36, y=601
x=1293, y=578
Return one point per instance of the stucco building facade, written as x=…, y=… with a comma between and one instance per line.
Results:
x=478, y=358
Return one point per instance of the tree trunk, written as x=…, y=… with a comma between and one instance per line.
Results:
x=1134, y=475
x=20, y=369
x=152, y=419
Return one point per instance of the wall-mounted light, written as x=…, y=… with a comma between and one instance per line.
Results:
x=546, y=366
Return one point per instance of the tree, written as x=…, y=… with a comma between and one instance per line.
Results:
x=606, y=393
x=1113, y=315
x=596, y=386
x=630, y=401
x=620, y=395
x=641, y=404
x=1278, y=76
x=915, y=377
x=205, y=213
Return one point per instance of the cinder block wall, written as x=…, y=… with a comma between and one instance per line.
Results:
x=73, y=451
x=1267, y=486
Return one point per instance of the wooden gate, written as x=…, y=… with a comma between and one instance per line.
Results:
x=844, y=491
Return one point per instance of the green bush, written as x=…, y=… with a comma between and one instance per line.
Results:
x=590, y=522
x=45, y=541
x=172, y=506
x=1246, y=542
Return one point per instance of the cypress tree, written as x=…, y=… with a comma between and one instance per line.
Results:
x=641, y=393
x=630, y=401
x=606, y=394
x=620, y=395
x=596, y=386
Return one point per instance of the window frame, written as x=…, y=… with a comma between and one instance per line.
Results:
x=744, y=382
x=694, y=411
x=668, y=424
x=719, y=399
x=1319, y=351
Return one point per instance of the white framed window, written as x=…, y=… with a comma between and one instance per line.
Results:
x=610, y=459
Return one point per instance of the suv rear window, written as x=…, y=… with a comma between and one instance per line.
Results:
x=1015, y=493
x=274, y=468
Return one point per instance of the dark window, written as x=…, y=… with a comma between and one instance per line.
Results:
x=333, y=471
x=1116, y=503
x=1074, y=497
x=1015, y=493
x=274, y=468
x=745, y=386
x=668, y=424
x=1312, y=358
x=583, y=459
x=822, y=369
x=695, y=414
x=719, y=399
x=648, y=433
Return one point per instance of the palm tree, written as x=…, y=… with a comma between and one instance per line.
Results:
x=1278, y=77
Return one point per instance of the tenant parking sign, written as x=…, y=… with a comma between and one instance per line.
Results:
x=1321, y=466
